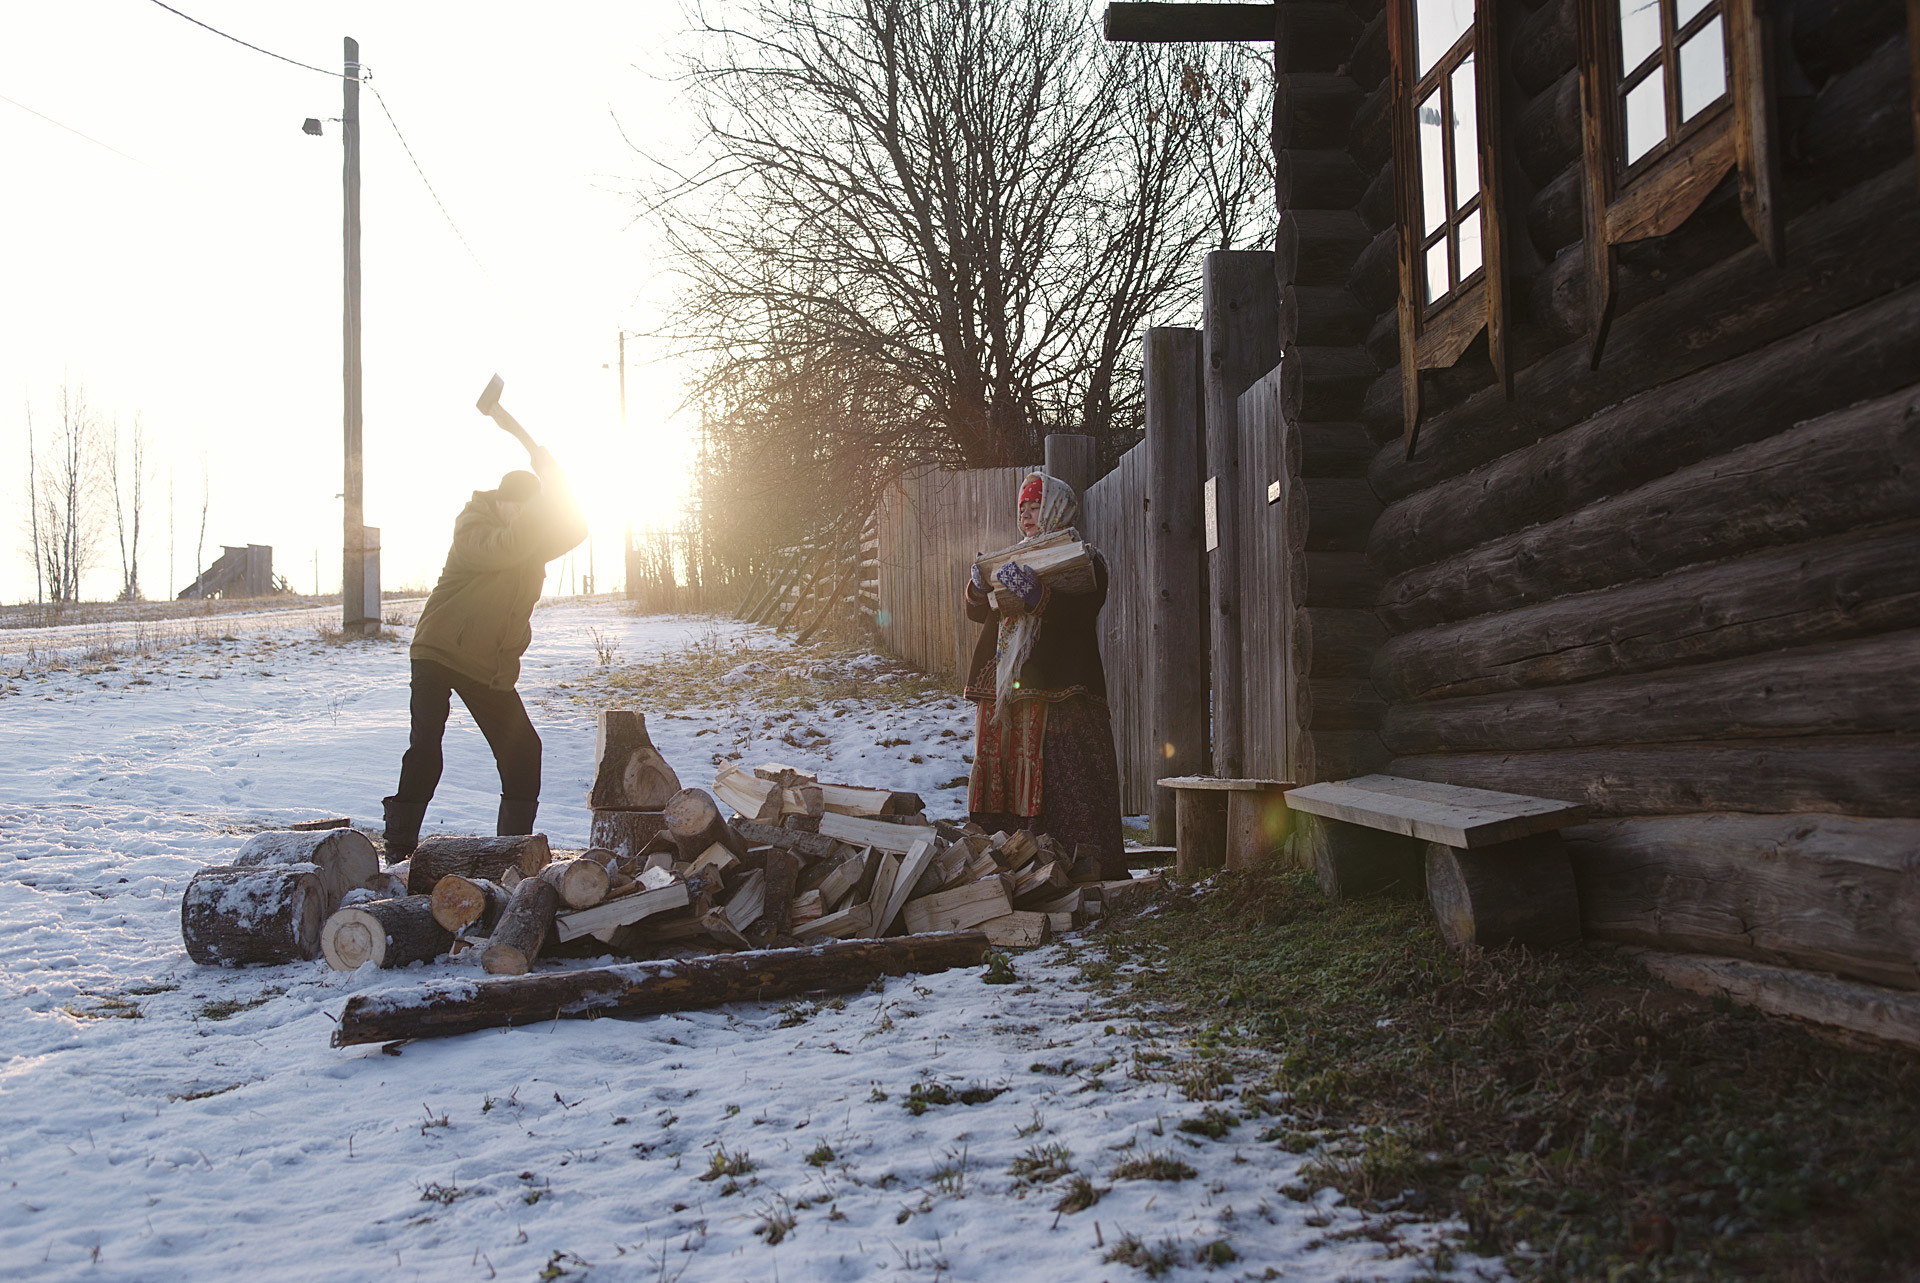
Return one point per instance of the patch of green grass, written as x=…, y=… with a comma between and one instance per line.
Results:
x=999, y=969
x=724, y=1164
x=1153, y=1167
x=1563, y=1101
x=1155, y=1261
x=822, y=1155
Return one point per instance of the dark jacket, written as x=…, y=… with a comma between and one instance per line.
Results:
x=1065, y=655
x=478, y=622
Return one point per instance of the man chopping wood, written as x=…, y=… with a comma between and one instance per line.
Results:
x=475, y=627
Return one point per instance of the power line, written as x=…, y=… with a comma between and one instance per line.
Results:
x=70, y=129
x=424, y=180
x=256, y=48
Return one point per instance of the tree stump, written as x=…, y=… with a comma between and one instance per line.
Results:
x=345, y=858
x=625, y=832
x=1518, y=892
x=628, y=772
x=1200, y=816
x=459, y=902
x=1352, y=861
x=522, y=930
x=231, y=916
x=479, y=857
x=387, y=933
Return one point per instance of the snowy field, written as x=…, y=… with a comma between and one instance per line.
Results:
x=163, y=1121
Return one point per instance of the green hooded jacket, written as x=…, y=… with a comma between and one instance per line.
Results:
x=478, y=622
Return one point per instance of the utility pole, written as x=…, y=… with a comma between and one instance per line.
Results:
x=357, y=613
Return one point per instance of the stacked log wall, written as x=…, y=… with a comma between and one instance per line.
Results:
x=1682, y=588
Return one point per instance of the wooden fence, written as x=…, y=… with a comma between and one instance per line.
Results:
x=1114, y=520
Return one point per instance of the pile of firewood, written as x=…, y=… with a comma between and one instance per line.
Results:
x=800, y=861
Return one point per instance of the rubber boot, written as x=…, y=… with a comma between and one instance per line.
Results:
x=403, y=827
x=516, y=816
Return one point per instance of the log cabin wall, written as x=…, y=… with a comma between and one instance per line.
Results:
x=1683, y=587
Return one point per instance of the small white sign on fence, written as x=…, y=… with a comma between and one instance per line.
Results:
x=1213, y=514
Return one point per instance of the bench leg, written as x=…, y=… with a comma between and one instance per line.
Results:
x=1519, y=892
x=1351, y=860
x=1201, y=841
x=1257, y=827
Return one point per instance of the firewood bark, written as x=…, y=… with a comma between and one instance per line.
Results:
x=1519, y=892
x=231, y=916
x=517, y=938
x=459, y=902
x=628, y=774
x=809, y=846
x=583, y=881
x=343, y=858
x=783, y=872
x=476, y=857
x=387, y=933
x=626, y=832
x=639, y=989
x=694, y=820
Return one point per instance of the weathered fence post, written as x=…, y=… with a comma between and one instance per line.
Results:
x=1070, y=457
x=1241, y=318
x=1177, y=641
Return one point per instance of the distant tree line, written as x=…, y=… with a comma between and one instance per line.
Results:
x=933, y=231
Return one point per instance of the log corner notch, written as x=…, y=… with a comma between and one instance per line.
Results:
x=1181, y=23
x=648, y=988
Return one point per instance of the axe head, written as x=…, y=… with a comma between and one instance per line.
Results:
x=490, y=398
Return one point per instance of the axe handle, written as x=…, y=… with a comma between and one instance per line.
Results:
x=512, y=426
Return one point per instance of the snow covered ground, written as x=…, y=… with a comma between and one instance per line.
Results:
x=160, y=1120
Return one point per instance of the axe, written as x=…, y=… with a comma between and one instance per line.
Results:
x=489, y=404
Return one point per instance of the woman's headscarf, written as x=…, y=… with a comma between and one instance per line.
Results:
x=1059, y=507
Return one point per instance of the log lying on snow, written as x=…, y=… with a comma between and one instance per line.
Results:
x=459, y=902
x=387, y=933
x=648, y=988
x=344, y=858
x=232, y=916
x=478, y=857
x=628, y=772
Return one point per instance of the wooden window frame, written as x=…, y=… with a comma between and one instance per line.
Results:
x=1435, y=335
x=1654, y=195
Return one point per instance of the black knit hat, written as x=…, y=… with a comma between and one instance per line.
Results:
x=518, y=487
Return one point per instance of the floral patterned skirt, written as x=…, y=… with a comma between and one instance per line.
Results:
x=1050, y=768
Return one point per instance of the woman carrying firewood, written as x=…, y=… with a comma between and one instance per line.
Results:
x=1043, y=738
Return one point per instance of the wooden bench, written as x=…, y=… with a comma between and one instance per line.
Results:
x=1493, y=864
x=1236, y=823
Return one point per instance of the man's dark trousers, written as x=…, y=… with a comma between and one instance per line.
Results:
x=502, y=718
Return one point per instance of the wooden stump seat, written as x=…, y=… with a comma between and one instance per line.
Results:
x=1492, y=863
x=1235, y=823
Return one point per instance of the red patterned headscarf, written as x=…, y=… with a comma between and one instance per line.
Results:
x=1030, y=492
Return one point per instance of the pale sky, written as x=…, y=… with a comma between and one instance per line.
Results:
x=197, y=285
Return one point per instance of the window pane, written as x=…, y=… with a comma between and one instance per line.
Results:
x=1436, y=25
x=1646, y=115
x=1703, y=70
x=1466, y=136
x=1437, y=269
x=1433, y=163
x=1470, y=255
x=1639, y=32
x=1687, y=10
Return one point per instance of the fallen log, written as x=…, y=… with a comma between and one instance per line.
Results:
x=343, y=858
x=477, y=857
x=387, y=933
x=523, y=928
x=448, y=1007
x=232, y=916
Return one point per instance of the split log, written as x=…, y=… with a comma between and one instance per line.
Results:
x=231, y=916
x=652, y=897
x=850, y=921
x=958, y=909
x=785, y=776
x=807, y=906
x=477, y=857
x=694, y=823
x=343, y=858
x=626, y=833
x=1845, y=470
x=752, y=798
x=715, y=859
x=897, y=839
x=1519, y=892
x=913, y=868
x=1016, y=930
x=583, y=881
x=806, y=799
x=643, y=989
x=877, y=900
x=782, y=873
x=808, y=846
x=1352, y=862
x=905, y=806
x=847, y=799
x=522, y=930
x=745, y=907
x=846, y=876
x=459, y=902
x=628, y=772
x=387, y=933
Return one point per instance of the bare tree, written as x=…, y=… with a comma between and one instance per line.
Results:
x=66, y=499
x=206, y=499
x=943, y=226
x=128, y=482
x=33, y=517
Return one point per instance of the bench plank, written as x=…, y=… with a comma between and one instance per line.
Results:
x=1447, y=813
x=1225, y=785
